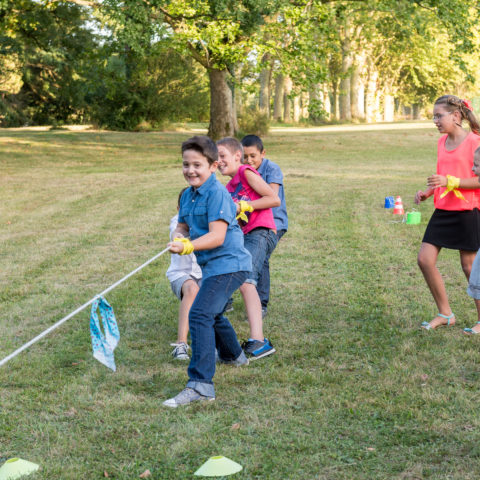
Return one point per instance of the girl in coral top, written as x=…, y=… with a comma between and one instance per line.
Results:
x=455, y=223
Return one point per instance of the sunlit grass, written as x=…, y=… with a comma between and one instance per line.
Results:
x=356, y=390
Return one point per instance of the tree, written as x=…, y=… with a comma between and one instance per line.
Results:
x=47, y=49
x=216, y=33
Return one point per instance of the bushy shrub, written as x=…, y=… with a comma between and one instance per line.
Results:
x=143, y=93
x=316, y=113
x=253, y=122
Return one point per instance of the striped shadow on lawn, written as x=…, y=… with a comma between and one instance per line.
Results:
x=355, y=390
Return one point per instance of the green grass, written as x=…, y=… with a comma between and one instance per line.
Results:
x=356, y=390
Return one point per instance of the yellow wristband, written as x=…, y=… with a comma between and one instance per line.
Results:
x=452, y=185
x=244, y=207
x=187, y=246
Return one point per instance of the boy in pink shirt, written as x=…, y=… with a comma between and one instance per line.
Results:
x=254, y=199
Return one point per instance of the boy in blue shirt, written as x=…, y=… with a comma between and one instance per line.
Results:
x=207, y=215
x=254, y=155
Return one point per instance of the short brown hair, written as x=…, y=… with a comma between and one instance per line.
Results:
x=232, y=144
x=204, y=145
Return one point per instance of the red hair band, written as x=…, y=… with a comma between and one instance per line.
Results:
x=468, y=105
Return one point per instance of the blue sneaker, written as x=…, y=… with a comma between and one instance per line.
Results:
x=255, y=349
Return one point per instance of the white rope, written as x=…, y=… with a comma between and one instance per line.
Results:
x=79, y=309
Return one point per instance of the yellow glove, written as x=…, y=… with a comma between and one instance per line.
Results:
x=452, y=185
x=187, y=246
x=244, y=207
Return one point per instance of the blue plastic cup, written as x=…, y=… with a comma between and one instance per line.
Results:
x=389, y=202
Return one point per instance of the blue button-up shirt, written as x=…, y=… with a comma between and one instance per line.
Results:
x=272, y=173
x=209, y=203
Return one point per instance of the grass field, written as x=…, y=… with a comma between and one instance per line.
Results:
x=356, y=390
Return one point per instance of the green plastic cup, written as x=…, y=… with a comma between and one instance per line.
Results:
x=414, y=218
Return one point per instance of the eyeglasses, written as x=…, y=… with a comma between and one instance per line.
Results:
x=439, y=116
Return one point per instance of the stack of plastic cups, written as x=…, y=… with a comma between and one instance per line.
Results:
x=414, y=218
x=389, y=202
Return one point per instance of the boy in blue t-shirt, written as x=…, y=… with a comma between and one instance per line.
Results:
x=254, y=155
x=207, y=216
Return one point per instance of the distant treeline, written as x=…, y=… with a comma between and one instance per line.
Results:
x=238, y=64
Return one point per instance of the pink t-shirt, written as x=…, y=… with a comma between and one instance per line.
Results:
x=240, y=189
x=457, y=162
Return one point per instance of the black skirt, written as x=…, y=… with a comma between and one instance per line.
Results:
x=458, y=230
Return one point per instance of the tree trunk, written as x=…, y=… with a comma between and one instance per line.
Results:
x=416, y=111
x=388, y=108
x=357, y=89
x=287, y=110
x=265, y=77
x=278, y=100
x=344, y=97
x=297, y=110
x=315, y=102
x=304, y=104
x=326, y=102
x=334, y=103
x=347, y=62
x=371, y=95
x=222, y=123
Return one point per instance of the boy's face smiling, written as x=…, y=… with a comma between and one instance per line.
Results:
x=476, y=164
x=253, y=156
x=228, y=162
x=196, y=168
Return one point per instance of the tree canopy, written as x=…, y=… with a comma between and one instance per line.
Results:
x=140, y=64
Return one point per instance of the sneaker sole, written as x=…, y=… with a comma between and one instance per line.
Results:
x=233, y=364
x=264, y=354
x=176, y=405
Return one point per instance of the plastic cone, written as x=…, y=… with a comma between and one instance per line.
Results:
x=398, y=207
x=218, y=467
x=16, y=468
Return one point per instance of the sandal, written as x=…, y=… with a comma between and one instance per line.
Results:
x=470, y=331
x=427, y=326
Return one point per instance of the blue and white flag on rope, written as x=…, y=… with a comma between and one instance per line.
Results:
x=103, y=345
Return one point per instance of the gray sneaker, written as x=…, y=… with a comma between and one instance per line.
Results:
x=180, y=351
x=185, y=397
x=238, y=362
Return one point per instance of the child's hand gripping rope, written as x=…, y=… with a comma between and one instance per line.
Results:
x=242, y=207
x=182, y=246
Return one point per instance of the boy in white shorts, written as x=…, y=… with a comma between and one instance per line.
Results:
x=184, y=275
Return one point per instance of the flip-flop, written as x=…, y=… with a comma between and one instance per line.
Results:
x=427, y=326
x=470, y=331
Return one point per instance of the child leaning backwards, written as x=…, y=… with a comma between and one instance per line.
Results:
x=254, y=200
x=455, y=223
x=184, y=275
x=207, y=216
x=254, y=155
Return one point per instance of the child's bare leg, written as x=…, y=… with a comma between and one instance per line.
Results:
x=254, y=310
x=466, y=259
x=427, y=261
x=189, y=292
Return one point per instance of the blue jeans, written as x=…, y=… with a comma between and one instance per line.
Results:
x=209, y=329
x=263, y=284
x=260, y=242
